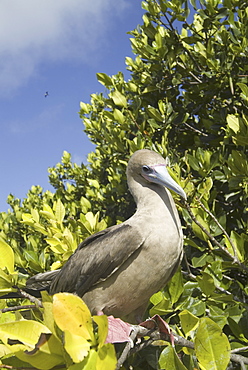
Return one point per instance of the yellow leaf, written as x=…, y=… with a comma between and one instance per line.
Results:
x=7, y=256
x=106, y=358
x=49, y=355
x=102, y=323
x=76, y=346
x=35, y=215
x=78, y=317
x=60, y=211
x=89, y=363
x=6, y=282
x=26, y=332
x=32, y=342
x=4, y=350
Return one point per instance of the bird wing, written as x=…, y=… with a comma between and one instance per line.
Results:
x=96, y=258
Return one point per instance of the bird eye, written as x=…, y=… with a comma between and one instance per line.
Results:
x=146, y=169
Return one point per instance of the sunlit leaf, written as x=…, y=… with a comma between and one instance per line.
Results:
x=76, y=346
x=233, y=122
x=78, y=317
x=169, y=360
x=189, y=321
x=7, y=256
x=104, y=79
x=106, y=357
x=60, y=211
x=119, y=99
x=211, y=346
x=102, y=323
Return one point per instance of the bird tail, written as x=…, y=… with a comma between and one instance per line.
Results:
x=41, y=281
x=34, y=285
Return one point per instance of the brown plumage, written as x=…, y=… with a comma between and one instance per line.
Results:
x=118, y=269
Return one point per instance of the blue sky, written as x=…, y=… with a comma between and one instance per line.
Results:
x=56, y=46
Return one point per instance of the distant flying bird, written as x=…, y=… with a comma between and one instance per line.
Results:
x=46, y=94
x=118, y=269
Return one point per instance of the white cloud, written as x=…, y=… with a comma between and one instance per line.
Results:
x=32, y=32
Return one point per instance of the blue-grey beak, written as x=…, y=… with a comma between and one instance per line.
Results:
x=160, y=175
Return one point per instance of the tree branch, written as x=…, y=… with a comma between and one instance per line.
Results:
x=195, y=129
x=224, y=249
x=222, y=229
x=33, y=299
x=22, y=294
x=18, y=308
x=140, y=331
x=3, y=366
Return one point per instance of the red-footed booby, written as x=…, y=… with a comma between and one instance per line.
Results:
x=118, y=269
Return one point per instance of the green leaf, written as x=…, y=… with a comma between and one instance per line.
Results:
x=84, y=107
x=102, y=323
x=92, y=220
x=119, y=99
x=85, y=204
x=6, y=282
x=238, y=242
x=7, y=257
x=106, y=357
x=244, y=89
x=118, y=115
x=189, y=321
x=94, y=183
x=170, y=360
x=202, y=260
x=197, y=230
x=237, y=331
x=206, y=283
x=175, y=286
x=104, y=79
x=46, y=357
x=60, y=211
x=206, y=186
x=4, y=350
x=211, y=346
x=233, y=122
x=35, y=215
x=195, y=306
x=32, y=259
x=27, y=218
x=89, y=363
x=218, y=315
x=162, y=305
x=154, y=113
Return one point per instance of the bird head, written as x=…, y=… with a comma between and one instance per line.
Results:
x=150, y=166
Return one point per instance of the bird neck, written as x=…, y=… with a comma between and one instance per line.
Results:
x=151, y=197
x=155, y=203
